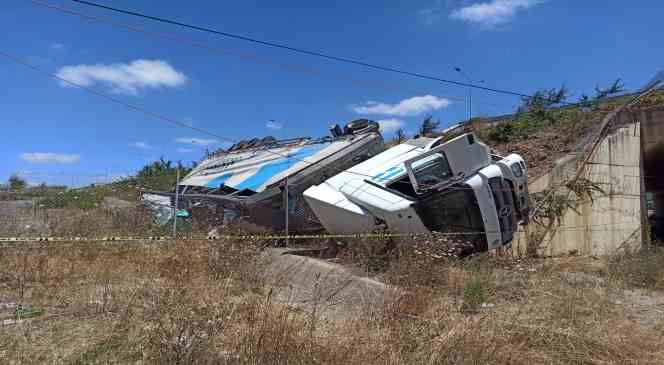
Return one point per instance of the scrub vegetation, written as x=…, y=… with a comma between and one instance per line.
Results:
x=112, y=209
x=210, y=302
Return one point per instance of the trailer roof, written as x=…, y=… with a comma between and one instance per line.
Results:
x=257, y=168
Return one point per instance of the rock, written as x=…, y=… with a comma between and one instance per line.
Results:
x=7, y=322
x=8, y=306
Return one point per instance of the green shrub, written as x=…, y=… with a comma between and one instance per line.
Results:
x=476, y=290
x=475, y=293
x=503, y=132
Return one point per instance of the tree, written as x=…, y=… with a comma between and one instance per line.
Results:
x=616, y=87
x=400, y=135
x=428, y=126
x=16, y=183
x=160, y=174
x=585, y=102
x=543, y=99
x=537, y=108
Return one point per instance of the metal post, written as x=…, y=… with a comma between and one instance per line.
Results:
x=470, y=92
x=175, y=208
x=470, y=104
x=286, y=209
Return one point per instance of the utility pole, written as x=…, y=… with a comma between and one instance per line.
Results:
x=175, y=208
x=286, y=209
x=470, y=92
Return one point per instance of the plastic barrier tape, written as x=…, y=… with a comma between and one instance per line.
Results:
x=224, y=237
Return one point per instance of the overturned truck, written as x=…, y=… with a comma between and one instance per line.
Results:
x=350, y=183
x=428, y=185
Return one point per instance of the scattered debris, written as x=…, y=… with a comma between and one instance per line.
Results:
x=28, y=312
x=12, y=313
x=7, y=306
x=161, y=206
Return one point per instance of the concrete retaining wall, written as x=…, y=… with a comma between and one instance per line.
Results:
x=612, y=221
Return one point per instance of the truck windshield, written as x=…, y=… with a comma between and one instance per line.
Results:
x=431, y=171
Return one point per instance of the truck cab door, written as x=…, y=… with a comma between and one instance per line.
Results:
x=443, y=203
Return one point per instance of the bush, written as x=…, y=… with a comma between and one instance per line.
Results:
x=16, y=183
x=503, y=132
x=475, y=293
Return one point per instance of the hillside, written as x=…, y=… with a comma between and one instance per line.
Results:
x=543, y=140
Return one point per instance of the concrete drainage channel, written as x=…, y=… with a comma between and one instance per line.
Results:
x=303, y=281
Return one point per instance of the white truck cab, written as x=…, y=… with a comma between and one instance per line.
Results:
x=425, y=185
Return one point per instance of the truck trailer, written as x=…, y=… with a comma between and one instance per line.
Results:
x=249, y=179
x=428, y=185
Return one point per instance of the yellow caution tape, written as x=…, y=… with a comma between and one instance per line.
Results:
x=227, y=237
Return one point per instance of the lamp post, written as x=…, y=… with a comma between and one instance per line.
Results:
x=470, y=92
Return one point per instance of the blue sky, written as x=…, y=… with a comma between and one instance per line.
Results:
x=61, y=134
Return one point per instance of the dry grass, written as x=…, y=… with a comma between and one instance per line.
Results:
x=642, y=269
x=203, y=302
x=88, y=223
x=29, y=220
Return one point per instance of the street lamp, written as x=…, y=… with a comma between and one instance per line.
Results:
x=470, y=92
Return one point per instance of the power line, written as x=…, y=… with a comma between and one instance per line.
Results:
x=112, y=99
x=158, y=116
x=302, y=51
x=154, y=115
x=243, y=55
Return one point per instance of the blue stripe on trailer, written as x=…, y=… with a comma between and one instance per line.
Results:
x=267, y=171
x=218, y=181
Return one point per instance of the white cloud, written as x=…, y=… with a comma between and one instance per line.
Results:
x=184, y=150
x=274, y=125
x=124, y=78
x=57, y=46
x=142, y=145
x=407, y=107
x=50, y=157
x=495, y=12
x=390, y=125
x=196, y=141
